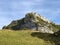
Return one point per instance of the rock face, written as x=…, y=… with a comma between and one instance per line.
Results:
x=32, y=21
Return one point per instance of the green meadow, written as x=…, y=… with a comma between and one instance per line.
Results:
x=27, y=37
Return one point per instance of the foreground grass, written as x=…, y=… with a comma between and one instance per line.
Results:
x=26, y=37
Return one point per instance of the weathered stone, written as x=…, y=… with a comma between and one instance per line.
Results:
x=32, y=21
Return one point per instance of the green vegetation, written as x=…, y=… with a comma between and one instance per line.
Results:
x=27, y=37
x=55, y=27
x=42, y=22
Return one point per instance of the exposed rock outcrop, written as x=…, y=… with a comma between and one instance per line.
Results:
x=32, y=21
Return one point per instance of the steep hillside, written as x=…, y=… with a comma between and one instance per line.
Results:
x=33, y=21
x=27, y=37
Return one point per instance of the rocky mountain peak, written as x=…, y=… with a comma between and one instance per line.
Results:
x=33, y=21
x=34, y=15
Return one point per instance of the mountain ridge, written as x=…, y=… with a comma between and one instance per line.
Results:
x=33, y=21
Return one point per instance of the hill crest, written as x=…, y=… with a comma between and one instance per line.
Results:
x=33, y=21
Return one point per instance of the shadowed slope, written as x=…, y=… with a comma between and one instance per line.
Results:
x=55, y=40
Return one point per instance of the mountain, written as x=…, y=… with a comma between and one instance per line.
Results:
x=33, y=21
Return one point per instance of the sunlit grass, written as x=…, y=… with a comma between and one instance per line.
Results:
x=22, y=37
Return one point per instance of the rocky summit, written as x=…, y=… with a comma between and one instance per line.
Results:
x=32, y=21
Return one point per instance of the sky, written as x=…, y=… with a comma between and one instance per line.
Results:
x=16, y=9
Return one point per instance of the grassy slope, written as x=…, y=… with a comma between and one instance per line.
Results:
x=27, y=38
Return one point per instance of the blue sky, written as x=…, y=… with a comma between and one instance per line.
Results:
x=16, y=9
